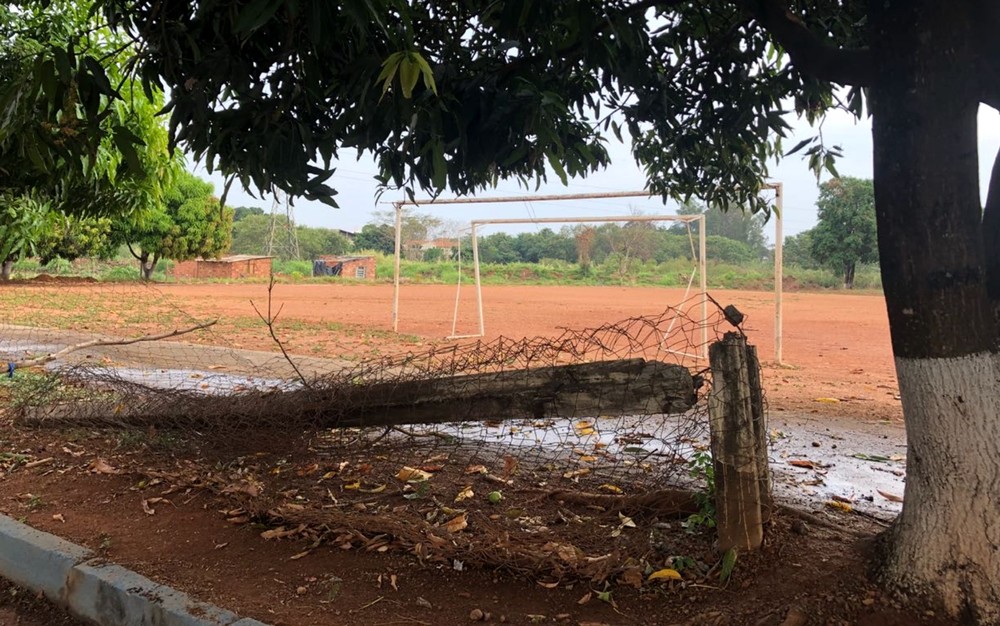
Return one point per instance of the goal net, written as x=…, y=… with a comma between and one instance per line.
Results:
x=687, y=234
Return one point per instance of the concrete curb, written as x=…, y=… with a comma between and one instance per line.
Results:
x=95, y=591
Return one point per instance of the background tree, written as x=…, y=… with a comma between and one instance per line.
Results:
x=498, y=248
x=746, y=228
x=189, y=224
x=250, y=233
x=316, y=242
x=845, y=231
x=72, y=237
x=798, y=250
x=381, y=238
x=701, y=88
x=241, y=212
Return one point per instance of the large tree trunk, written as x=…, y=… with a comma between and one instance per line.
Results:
x=147, y=265
x=849, y=275
x=6, y=268
x=925, y=101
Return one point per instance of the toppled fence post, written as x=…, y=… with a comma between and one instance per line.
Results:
x=732, y=407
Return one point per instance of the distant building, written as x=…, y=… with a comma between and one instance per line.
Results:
x=359, y=267
x=228, y=267
x=415, y=249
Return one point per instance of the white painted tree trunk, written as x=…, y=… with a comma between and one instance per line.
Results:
x=947, y=538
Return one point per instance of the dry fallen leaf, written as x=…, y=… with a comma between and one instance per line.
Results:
x=148, y=510
x=412, y=475
x=100, y=466
x=456, y=523
x=59, y=518
x=806, y=463
x=464, y=494
x=890, y=496
x=296, y=557
x=665, y=574
x=632, y=576
x=610, y=488
x=476, y=469
x=840, y=506
x=576, y=473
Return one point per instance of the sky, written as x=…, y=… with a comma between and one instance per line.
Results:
x=357, y=188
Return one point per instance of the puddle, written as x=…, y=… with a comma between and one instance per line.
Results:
x=209, y=383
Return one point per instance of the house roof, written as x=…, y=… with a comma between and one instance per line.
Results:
x=364, y=257
x=237, y=257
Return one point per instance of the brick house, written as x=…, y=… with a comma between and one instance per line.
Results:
x=228, y=267
x=359, y=267
x=415, y=249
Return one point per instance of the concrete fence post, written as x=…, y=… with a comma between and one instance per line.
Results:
x=733, y=405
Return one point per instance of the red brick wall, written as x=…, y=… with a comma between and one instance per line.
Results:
x=351, y=269
x=199, y=268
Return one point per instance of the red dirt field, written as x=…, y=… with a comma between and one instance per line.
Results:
x=836, y=345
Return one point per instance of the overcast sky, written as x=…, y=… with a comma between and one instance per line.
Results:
x=357, y=188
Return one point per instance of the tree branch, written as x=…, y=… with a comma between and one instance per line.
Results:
x=846, y=66
x=42, y=360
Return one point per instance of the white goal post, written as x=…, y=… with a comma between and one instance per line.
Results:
x=399, y=205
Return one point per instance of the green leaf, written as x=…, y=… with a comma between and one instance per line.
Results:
x=728, y=564
x=409, y=73
x=800, y=145
x=255, y=15
x=557, y=166
x=389, y=68
x=440, y=166
x=425, y=72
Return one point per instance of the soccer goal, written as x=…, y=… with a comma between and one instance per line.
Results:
x=697, y=249
x=699, y=254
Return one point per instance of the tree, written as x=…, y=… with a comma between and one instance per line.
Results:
x=189, y=224
x=250, y=233
x=737, y=225
x=380, y=238
x=845, y=232
x=316, y=242
x=71, y=237
x=798, y=250
x=701, y=89
x=498, y=248
x=241, y=212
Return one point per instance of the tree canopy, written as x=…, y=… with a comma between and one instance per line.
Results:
x=189, y=224
x=845, y=233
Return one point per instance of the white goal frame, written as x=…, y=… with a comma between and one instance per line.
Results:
x=778, y=273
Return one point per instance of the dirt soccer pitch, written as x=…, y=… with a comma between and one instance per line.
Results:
x=837, y=356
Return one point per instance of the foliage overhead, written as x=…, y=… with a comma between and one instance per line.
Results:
x=271, y=91
x=71, y=126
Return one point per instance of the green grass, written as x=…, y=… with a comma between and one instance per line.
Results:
x=671, y=273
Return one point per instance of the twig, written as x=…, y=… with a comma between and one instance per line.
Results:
x=42, y=360
x=372, y=603
x=37, y=463
x=269, y=321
